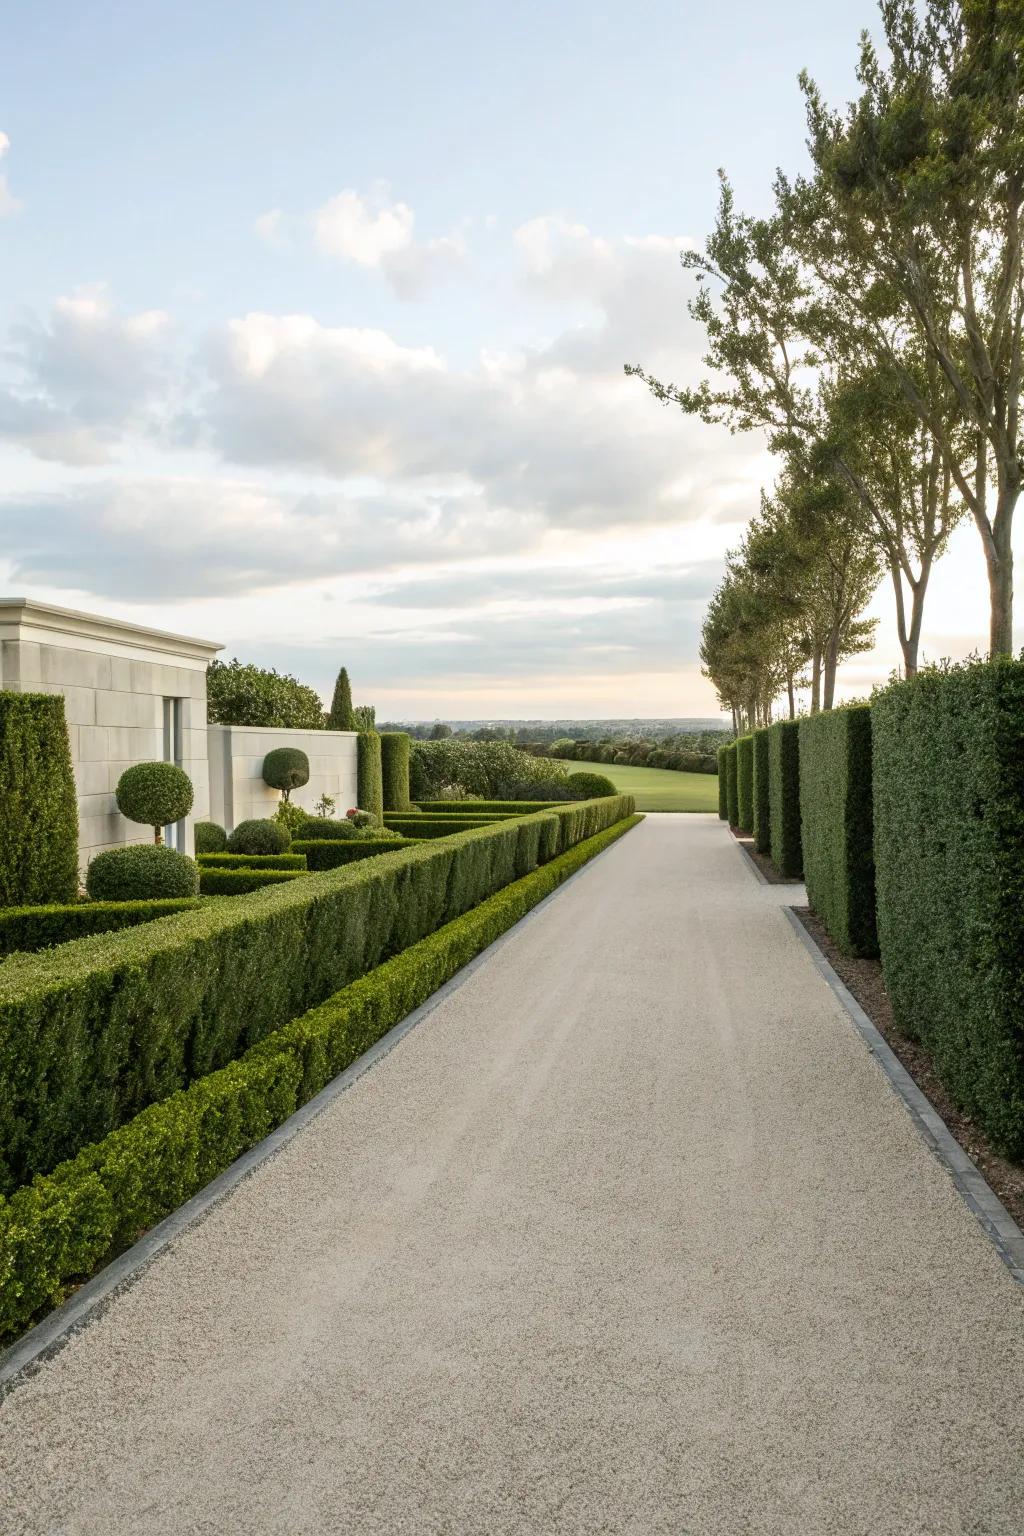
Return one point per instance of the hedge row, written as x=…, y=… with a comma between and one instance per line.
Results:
x=331, y=853
x=24, y=929
x=64, y=1224
x=250, y=860
x=745, y=784
x=443, y=826
x=395, y=747
x=479, y=807
x=732, y=807
x=723, y=792
x=38, y=802
x=761, y=821
x=370, y=773
x=214, y=881
x=836, y=824
x=948, y=764
x=784, y=798
x=92, y=1032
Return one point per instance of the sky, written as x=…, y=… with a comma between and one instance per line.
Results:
x=313, y=321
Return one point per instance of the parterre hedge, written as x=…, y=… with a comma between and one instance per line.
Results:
x=762, y=818
x=26, y=929
x=732, y=806
x=948, y=768
x=92, y=1032
x=836, y=824
x=38, y=802
x=442, y=826
x=216, y=881
x=478, y=807
x=745, y=783
x=370, y=774
x=784, y=797
x=723, y=796
x=331, y=853
x=395, y=748
x=60, y=1227
x=293, y=860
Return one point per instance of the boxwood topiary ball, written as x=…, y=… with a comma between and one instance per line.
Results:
x=286, y=768
x=259, y=837
x=210, y=838
x=141, y=873
x=589, y=786
x=155, y=794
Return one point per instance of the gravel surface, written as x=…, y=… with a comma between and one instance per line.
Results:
x=629, y=1236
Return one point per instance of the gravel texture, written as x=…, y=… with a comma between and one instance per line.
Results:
x=629, y=1236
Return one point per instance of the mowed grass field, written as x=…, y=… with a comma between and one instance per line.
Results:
x=659, y=789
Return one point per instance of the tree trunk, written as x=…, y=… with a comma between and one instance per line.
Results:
x=999, y=559
x=830, y=667
x=815, y=681
x=158, y=835
x=791, y=696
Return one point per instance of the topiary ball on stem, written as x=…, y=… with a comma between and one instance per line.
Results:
x=141, y=873
x=155, y=794
x=259, y=836
x=286, y=768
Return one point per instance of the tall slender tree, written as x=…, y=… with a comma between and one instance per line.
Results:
x=342, y=716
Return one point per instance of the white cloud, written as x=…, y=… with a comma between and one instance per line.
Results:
x=8, y=202
x=270, y=226
x=372, y=231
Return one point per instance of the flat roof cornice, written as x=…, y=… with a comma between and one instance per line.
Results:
x=19, y=615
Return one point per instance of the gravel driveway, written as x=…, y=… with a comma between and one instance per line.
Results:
x=630, y=1235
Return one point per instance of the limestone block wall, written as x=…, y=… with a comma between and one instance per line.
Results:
x=237, y=790
x=115, y=679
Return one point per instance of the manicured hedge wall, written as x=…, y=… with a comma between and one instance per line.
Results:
x=784, y=797
x=65, y=1223
x=214, y=881
x=251, y=860
x=478, y=807
x=93, y=1031
x=762, y=819
x=331, y=853
x=441, y=826
x=723, y=794
x=836, y=824
x=948, y=755
x=745, y=783
x=371, y=773
x=38, y=802
x=29, y=928
x=732, y=805
x=394, y=751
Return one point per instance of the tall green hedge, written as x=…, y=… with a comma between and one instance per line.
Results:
x=784, y=798
x=93, y=1031
x=836, y=824
x=723, y=792
x=949, y=843
x=762, y=819
x=38, y=802
x=395, y=749
x=371, y=774
x=64, y=1224
x=745, y=784
x=732, y=806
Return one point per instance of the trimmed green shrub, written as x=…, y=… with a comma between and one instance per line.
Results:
x=723, y=797
x=238, y=694
x=784, y=797
x=395, y=748
x=836, y=824
x=948, y=769
x=259, y=836
x=291, y=860
x=371, y=778
x=144, y=872
x=286, y=768
x=479, y=807
x=330, y=853
x=762, y=821
x=65, y=1223
x=214, y=880
x=745, y=783
x=38, y=802
x=24, y=929
x=93, y=1031
x=155, y=795
x=209, y=837
x=589, y=786
x=441, y=826
x=732, y=804
x=327, y=827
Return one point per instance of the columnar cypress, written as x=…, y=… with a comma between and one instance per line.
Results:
x=38, y=802
x=342, y=715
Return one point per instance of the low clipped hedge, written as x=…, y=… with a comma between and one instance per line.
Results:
x=478, y=807
x=92, y=1032
x=784, y=798
x=762, y=818
x=836, y=824
x=291, y=860
x=63, y=1225
x=723, y=793
x=395, y=750
x=217, y=881
x=948, y=774
x=330, y=853
x=732, y=804
x=442, y=826
x=25, y=929
x=745, y=784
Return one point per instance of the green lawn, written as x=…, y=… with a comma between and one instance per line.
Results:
x=659, y=789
